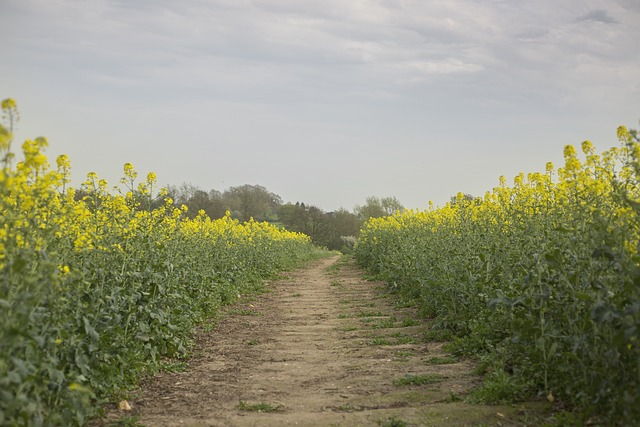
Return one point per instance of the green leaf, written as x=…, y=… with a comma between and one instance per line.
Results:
x=89, y=330
x=18, y=265
x=142, y=336
x=552, y=350
x=21, y=366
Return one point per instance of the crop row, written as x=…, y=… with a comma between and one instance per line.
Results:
x=97, y=290
x=540, y=280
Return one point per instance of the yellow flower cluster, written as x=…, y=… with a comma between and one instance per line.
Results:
x=37, y=198
x=578, y=191
x=545, y=271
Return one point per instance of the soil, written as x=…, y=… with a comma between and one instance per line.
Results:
x=322, y=347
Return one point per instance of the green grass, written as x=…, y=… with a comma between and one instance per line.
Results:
x=499, y=387
x=418, y=379
x=400, y=335
x=260, y=289
x=381, y=341
x=173, y=366
x=392, y=422
x=258, y=407
x=403, y=355
x=383, y=324
x=409, y=321
x=406, y=340
x=334, y=268
x=453, y=397
x=366, y=304
x=438, y=360
x=347, y=407
x=404, y=303
x=369, y=314
x=438, y=335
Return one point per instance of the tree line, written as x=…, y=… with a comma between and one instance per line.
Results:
x=337, y=230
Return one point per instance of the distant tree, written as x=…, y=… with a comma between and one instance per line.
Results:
x=344, y=227
x=317, y=226
x=376, y=207
x=391, y=205
x=325, y=229
x=197, y=202
x=211, y=203
x=346, y=223
x=251, y=201
x=293, y=216
x=197, y=199
x=182, y=193
x=216, y=204
x=306, y=219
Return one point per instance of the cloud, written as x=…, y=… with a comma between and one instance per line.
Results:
x=293, y=73
x=598, y=15
x=251, y=47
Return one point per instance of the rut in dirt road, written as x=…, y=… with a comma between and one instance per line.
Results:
x=323, y=347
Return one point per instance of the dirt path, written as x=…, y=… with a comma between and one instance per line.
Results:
x=323, y=348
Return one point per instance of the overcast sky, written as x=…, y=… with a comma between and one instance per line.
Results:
x=325, y=102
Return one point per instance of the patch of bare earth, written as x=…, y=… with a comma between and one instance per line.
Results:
x=323, y=348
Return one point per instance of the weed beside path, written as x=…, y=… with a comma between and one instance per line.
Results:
x=323, y=347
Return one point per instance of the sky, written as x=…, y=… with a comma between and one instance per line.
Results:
x=325, y=102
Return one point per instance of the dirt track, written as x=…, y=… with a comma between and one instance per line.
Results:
x=323, y=347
